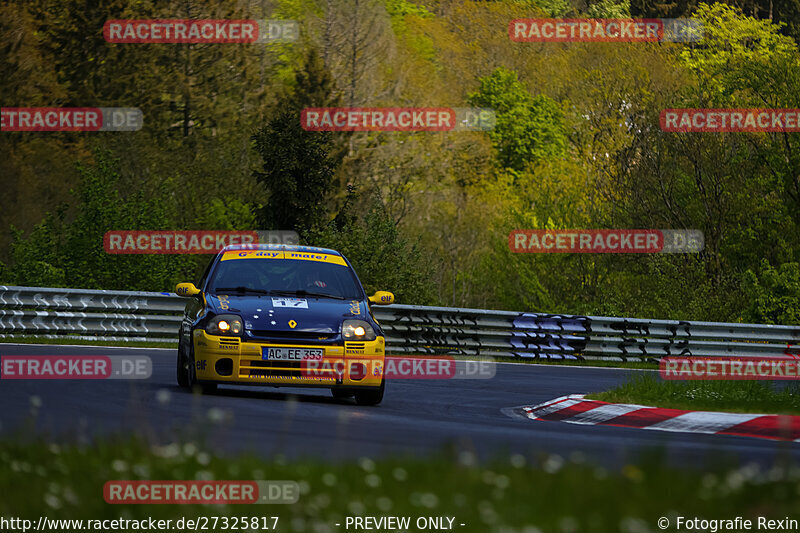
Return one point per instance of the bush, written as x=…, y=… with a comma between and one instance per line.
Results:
x=382, y=257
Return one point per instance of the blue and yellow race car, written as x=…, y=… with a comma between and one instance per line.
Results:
x=282, y=315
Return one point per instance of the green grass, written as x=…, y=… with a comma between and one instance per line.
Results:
x=745, y=396
x=599, y=363
x=537, y=493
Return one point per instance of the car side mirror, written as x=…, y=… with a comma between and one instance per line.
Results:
x=382, y=298
x=186, y=289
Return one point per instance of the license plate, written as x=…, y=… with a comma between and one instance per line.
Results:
x=291, y=354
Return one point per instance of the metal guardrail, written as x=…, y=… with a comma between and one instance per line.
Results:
x=410, y=329
x=90, y=314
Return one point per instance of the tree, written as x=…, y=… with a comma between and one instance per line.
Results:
x=66, y=250
x=298, y=166
x=774, y=294
x=381, y=256
x=528, y=128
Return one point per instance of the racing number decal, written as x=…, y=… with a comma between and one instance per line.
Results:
x=290, y=302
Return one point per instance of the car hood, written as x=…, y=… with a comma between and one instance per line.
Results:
x=285, y=314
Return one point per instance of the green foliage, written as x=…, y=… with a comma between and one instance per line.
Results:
x=662, y=8
x=783, y=12
x=226, y=214
x=773, y=293
x=731, y=41
x=740, y=396
x=577, y=145
x=103, y=207
x=554, y=8
x=402, y=8
x=36, y=259
x=529, y=128
x=298, y=166
x=383, y=258
x=404, y=16
x=609, y=9
x=68, y=251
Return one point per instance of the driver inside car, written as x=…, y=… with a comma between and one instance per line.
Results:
x=313, y=281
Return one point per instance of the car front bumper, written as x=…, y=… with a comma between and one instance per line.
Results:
x=233, y=360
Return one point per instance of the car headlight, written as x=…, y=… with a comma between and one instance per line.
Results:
x=225, y=325
x=357, y=330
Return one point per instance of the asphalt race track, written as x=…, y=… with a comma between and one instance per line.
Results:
x=416, y=417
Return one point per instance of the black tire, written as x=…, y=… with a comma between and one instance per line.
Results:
x=191, y=379
x=370, y=396
x=182, y=370
x=341, y=394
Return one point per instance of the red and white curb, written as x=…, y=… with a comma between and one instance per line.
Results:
x=576, y=409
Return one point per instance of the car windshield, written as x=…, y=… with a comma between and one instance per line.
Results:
x=285, y=277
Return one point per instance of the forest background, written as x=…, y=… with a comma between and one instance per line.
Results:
x=426, y=215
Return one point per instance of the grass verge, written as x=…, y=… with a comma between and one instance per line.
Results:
x=599, y=363
x=745, y=396
x=534, y=494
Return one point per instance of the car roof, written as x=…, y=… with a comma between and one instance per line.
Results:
x=279, y=247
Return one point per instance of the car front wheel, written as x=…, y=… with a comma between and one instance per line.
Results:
x=183, y=368
x=191, y=379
